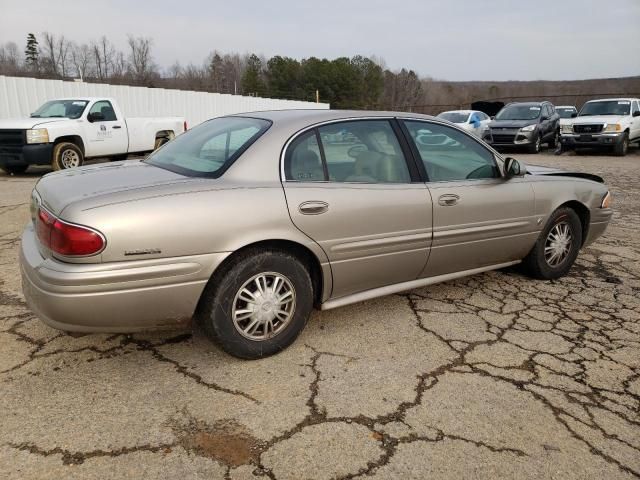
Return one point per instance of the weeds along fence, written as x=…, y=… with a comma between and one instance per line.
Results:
x=21, y=96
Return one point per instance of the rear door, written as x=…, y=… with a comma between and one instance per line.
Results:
x=105, y=132
x=479, y=218
x=350, y=188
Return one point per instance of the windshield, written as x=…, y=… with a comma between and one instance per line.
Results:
x=210, y=148
x=566, y=112
x=454, y=117
x=609, y=107
x=518, y=112
x=61, y=109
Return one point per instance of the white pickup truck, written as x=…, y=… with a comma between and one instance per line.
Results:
x=611, y=123
x=65, y=132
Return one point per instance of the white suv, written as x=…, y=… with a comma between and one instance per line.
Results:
x=611, y=122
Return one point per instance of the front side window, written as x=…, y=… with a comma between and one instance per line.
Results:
x=105, y=110
x=362, y=151
x=636, y=107
x=450, y=155
x=210, y=148
x=61, y=109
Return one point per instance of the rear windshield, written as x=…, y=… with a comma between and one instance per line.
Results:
x=566, y=112
x=609, y=107
x=518, y=112
x=454, y=117
x=210, y=148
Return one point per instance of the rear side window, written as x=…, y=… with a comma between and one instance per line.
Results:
x=363, y=151
x=450, y=155
x=210, y=148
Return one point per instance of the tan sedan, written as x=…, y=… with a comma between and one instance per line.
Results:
x=247, y=222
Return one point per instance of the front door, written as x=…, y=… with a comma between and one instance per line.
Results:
x=350, y=188
x=106, y=133
x=479, y=218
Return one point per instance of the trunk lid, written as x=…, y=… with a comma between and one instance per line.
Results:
x=100, y=182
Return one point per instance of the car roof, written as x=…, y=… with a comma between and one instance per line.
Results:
x=528, y=103
x=613, y=99
x=566, y=106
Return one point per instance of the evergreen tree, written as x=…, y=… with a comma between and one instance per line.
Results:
x=31, y=52
x=252, y=82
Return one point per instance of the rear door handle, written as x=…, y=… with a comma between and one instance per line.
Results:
x=448, y=199
x=313, y=207
x=117, y=126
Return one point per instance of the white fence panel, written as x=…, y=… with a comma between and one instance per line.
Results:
x=21, y=96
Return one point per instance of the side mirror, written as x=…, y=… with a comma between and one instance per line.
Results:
x=512, y=168
x=492, y=117
x=95, y=117
x=636, y=113
x=574, y=114
x=544, y=118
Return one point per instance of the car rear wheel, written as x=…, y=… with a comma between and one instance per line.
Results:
x=621, y=148
x=557, y=246
x=14, y=169
x=67, y=155
x=259, y=305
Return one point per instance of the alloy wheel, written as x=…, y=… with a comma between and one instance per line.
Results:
x=558, y=244
x=263, y=306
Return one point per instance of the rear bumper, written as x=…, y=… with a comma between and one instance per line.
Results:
x=118, y=297
x=39, y=154
x=596, y=140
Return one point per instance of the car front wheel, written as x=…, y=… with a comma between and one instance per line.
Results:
x=259, y=305
x=535, y=146
x=557, y=246
x=67, y=155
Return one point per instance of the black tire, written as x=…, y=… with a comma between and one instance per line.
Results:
x=536, y=263
x=555, y=140
x=14, y=169
x=62, y=152
x=621, y=149
x=535, y=146
x=215, y=312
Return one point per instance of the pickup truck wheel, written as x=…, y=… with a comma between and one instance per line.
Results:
x=67, y=155
x=15, y=169
x=259, y=305
x=159, y=142
x=557, y=247
x=620, y=150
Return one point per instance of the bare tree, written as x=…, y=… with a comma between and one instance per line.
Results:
x=56, y=54
x=141, y=63
x=81, y=59
x=103, y=54
x=9, y=59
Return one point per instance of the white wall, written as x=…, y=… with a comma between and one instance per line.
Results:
x=21, y=96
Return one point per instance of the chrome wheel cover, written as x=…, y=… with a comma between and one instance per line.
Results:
x=70, y=159
x=263, y=306
x=558, y=244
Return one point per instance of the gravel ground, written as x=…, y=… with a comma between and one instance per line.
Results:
x=491, y=376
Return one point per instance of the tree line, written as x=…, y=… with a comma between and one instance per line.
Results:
x=357, y=82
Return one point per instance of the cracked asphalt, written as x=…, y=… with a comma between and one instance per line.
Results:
x=492, y=376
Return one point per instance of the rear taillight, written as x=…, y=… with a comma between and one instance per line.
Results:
x=185, y=126
x=65, y=238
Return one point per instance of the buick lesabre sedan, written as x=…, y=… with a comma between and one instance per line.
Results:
x=247, y=222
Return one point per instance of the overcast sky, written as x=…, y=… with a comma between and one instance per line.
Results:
x=453, y=40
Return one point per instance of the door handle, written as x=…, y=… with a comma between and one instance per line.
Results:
x=313, y=207
x=117, y=126
x=448, y=199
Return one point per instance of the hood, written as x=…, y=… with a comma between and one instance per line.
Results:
x=27, y=123
x=101, y=183
x=598, y=119
x=512, y=123
x=539, y=170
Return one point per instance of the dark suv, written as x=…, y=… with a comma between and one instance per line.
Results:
x=524, y=124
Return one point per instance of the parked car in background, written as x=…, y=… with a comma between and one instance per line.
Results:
x=248, y=221
x=525, y=124
x=611, y=123
x=473, y=121
x=566, y=112
x=64, y=132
